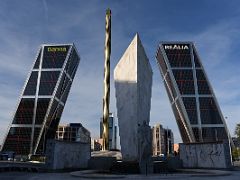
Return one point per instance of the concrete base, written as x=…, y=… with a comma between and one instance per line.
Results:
x=206, y=155
x=174, y=163
x=125, y=167
x=67, y=155
x=101, y=163
x=146, y=167
x=116, y=154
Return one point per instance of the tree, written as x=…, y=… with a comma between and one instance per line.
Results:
x=237, y=130
x=235, y=154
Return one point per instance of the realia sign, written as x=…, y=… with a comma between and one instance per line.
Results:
x=176, y=46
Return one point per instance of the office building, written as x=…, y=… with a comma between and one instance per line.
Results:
x=42, y=100
x=191, y=95
x=169, y=141
x=73, y=132
x=162, y=140
x=176, y=148
x=112, y=131
x=96, y=144
x=158, y=141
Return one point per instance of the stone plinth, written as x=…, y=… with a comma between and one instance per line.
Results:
x=133, y=83
x=205, y=155
x=67, y=155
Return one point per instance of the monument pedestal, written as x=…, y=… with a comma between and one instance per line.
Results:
x=103, y=160
x=126, y=167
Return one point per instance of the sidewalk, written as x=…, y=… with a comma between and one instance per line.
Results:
x=183, y=173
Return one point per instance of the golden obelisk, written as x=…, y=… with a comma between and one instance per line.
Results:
x=106, y=96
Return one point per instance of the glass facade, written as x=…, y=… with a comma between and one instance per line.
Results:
x=193, y=102
x=32, y=84
x=48, y=82
x=112, y=128
x=44, y=95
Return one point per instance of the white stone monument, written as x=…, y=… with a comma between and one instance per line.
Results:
x=133, y=83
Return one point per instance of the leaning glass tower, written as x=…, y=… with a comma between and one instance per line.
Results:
x=194, y=104
x=42, y=100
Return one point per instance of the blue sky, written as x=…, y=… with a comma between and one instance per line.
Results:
x=25, y=25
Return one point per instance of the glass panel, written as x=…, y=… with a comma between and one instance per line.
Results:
x=62, y=86
x=72, y=63
x=42, y=106
x=178, y=55
x=170, y=84
x=41, y=146
x=54, y=56
x=196, y=133
x=66, y=92
x=185, y=82
x=161, y=62
x=196, y=60
x=203, y=87
x=52, y=112
x=52, y=124
x=48, y=82
x=190, y=105
x=180, y=124
x=24, y=114
x=54, y=121
x=211, y=134
x=31, y=84
x=18, y=140
x=110, y=122
x=36, y=134
x=36, y=65
x=209, y=111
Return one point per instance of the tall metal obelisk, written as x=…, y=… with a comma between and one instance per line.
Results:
x=106, y=97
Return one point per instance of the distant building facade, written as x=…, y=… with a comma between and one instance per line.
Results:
x=42, y=100
x=112, y=131
x=162, y=140
x=96, y=144
x=169, y=141
x=193, y=101
x=73, y=132
x=176, y=148
x=158, y=142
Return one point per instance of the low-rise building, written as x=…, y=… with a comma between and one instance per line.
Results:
x=96, y=144
x=162, y=141
x=176, y=148
x=169, y=141
x=158, y=140
x=74, y=132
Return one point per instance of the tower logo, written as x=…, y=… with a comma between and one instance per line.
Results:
x=57, y=49
x=175, y=46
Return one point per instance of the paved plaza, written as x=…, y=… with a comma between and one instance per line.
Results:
x=232, y=175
